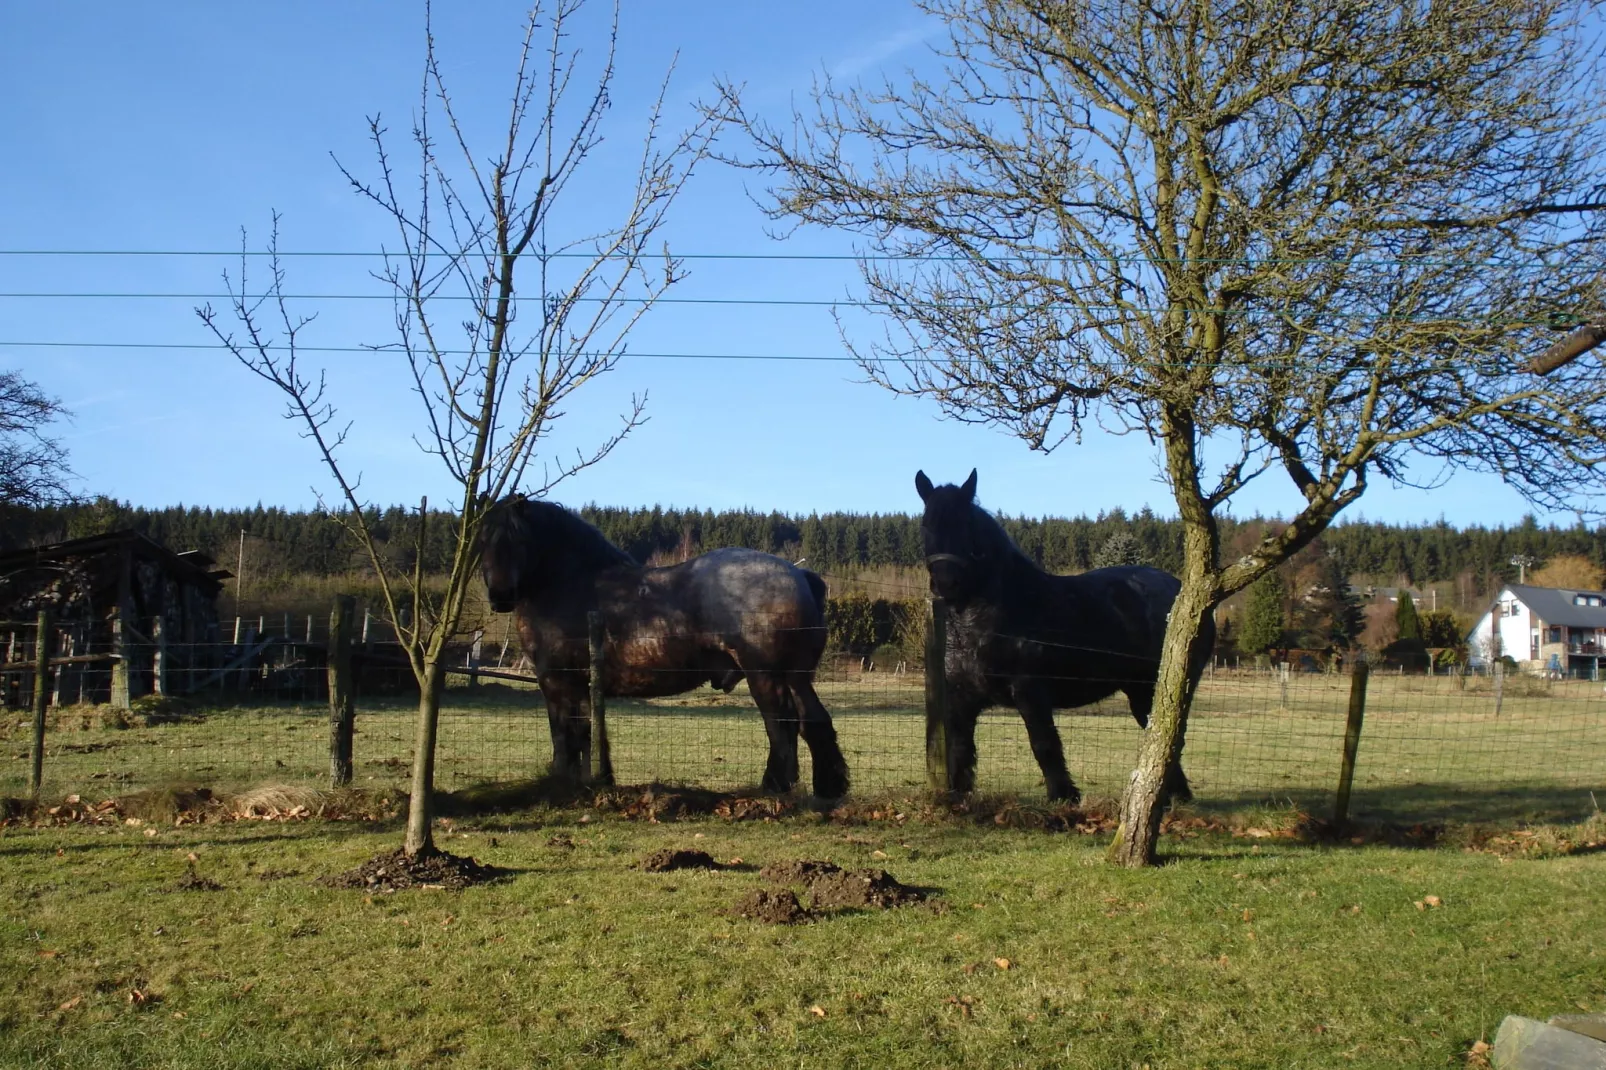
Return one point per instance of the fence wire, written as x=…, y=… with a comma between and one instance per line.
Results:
x=1432, y=746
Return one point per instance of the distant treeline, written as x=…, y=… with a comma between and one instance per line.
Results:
x=280, y=541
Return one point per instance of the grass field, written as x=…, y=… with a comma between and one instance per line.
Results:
x=1429, y=748
x=1242, y=952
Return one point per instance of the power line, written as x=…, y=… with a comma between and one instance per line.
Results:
x=790, y=302
x=380, y=351
x=852, y=258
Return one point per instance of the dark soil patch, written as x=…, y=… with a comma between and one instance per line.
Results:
x=393, y=870
x=277, y=874
x=802, y=871
x=778, y=907
x=861, y=889
x=670, y=859
x=194, y=882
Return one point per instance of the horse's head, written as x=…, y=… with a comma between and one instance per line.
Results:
x=958, y=549
x=504, y=552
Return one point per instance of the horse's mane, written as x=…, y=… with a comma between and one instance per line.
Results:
x=561, y=535
x=987, y=528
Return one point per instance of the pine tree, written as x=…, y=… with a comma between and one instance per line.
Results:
x=1405, y=616
x=1121, y=548
x=1264, y=618
x=1330, y=616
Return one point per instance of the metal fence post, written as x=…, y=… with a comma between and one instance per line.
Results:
x=1499, y=670
x=41, y=683
x=937, y=696
x=1352, y=741
x=601, y=760
x=342, y=704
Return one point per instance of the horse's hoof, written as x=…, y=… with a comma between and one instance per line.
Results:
x=831, y=787
x=1070, y=794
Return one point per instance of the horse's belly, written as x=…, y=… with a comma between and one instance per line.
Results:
x=651, y=667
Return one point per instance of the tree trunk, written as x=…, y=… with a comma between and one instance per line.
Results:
x=420, y=807
x=1185, y=636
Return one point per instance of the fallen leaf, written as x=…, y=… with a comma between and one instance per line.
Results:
x=817, y=1011
x=1421, y=905
x=191, y=857
x=878, y=854
x=71, y=1003
x=1248, y=914
x=1356, y=909
x=71, y=800
x=150, y=832
x=735, y=862
x=1002, y=964
x=1432, y=900
x=48, y=954
x=968, y=968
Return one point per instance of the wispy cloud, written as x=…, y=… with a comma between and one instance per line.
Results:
x=889, y=46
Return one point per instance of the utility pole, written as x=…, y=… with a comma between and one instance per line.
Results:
x=1522, y=561
x=239, y=574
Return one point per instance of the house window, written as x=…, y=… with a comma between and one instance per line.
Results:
x=1516, y=609
x=1554, y=635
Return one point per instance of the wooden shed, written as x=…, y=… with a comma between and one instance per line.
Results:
x=152, y=613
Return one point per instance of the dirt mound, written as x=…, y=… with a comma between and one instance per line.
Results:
x=671, y=859
x=393, y=870
x=831, y=887
x=778, y=907
x=861, y=889
x=194, y=882
x=801, y=871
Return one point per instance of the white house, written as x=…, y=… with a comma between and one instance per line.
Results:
x=1544, y=629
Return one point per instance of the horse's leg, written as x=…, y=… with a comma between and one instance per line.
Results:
x=567, y=717
x=1175, y=788
x=1038, y=714
x=781, y=725
x=830, y=767
x=962, y=715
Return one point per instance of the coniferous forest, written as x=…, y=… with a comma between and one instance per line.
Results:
x=310, y=543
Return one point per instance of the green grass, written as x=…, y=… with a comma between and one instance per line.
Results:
x=1430, y=750
x=1241, y=952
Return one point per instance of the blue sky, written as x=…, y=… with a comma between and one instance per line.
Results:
x=168, y=127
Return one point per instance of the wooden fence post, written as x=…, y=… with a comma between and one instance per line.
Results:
x=342, y=704
x=41, y=690
x=937, y=696
x=474, y=658
x=601, y=759
x=120, y=659
x=1282, y=686
x=159, y=658
x=1352, y=741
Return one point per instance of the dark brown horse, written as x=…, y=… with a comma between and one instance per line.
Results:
x=1021, y=637
x=720, y=617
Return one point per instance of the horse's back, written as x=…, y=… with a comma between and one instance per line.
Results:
x=757, y=596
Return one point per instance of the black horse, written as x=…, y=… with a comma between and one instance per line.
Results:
x=716, y=619
x=1019, y=636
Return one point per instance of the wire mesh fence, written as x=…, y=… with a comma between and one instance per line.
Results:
x=1433, y=746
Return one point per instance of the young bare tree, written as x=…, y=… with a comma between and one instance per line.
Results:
x=491, y=382
x=33, y=465
x=1319, y=240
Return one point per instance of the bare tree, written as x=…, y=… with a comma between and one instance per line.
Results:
x=1317, y=240
x=490, y=383
x=33, y=466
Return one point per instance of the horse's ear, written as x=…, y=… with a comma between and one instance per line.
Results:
x=969, y=488
x=923, y=485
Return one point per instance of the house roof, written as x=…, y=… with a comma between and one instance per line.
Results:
x=1554, y=605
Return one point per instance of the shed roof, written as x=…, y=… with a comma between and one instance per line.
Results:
x=1555, y=605
x=193, y=565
